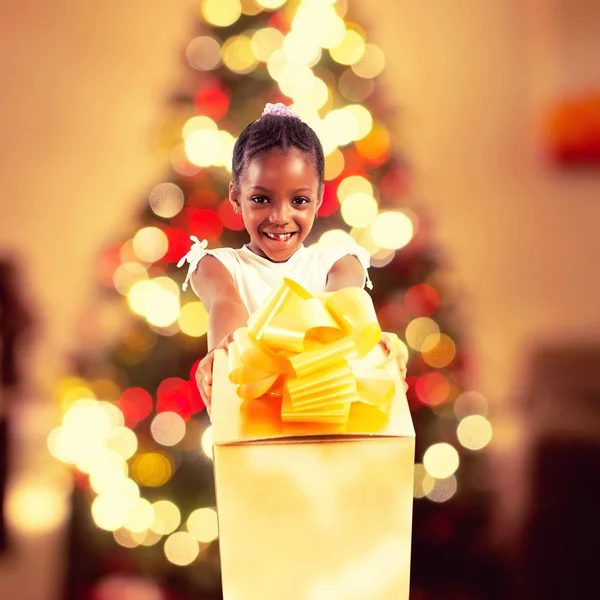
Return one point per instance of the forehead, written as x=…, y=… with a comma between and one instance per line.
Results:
x=277, y=168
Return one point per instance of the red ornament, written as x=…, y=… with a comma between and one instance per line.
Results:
x=330, y=201
x=230, y=219
x=174, y=395
x=212, y=102
x=135, y=404
x=206, y=224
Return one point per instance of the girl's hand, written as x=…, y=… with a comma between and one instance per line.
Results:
x=204, y=373
x=401, y=356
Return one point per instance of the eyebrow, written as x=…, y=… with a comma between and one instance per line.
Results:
x=264, y=189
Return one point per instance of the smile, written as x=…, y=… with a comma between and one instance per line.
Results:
x=279, y=237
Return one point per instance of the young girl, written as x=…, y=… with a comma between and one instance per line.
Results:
x=277, y=187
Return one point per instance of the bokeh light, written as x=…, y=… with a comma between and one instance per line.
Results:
x=127, y=274
x=441, y=460
x=442, y=354
x=334, y=238
x=193, y=319
x=474, y=432
x=423, y=482
x=167, y=517
x=392, y=230
x=443, y=489
x=109, y=512
x=167, y=428
x=359, y=210
x=202, y=524
x=206, y=442
x=150, y=244
x=151, y=469
x=334, y=165
x=181, y=548
x=355, y=88
x=204, y=53
x=432, y=389
x=265, y=41
x=350, y=49
x=221, y=13
x=422, y=334
x=238, y=55
x=371, y=63
x=470, y=403
x=140, y=516
x=123, y=441
x=354, y=184
x=166, y=200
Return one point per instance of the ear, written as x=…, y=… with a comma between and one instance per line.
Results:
x=320, y=200
x=234, y=197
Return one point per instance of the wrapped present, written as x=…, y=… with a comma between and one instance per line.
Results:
x=313, y=454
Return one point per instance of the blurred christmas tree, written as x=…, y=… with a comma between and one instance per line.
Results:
x=141, y=446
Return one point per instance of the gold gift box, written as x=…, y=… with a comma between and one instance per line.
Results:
x=318, y=514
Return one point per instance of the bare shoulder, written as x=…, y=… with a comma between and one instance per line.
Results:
x=211, y=281
x=345, y=272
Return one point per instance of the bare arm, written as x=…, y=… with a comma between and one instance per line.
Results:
x=346, y=272
x=214, y=285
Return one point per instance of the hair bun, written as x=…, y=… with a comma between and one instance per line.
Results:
x=279, y=109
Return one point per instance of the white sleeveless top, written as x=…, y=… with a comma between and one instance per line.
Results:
x=256, y=277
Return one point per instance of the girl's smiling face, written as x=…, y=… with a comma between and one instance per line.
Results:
x=278, y=195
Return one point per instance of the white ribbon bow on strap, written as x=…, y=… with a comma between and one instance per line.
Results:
x=196, y=252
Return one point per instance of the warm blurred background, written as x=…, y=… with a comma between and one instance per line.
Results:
x=478, y=128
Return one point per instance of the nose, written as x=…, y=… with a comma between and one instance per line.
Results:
x=279, y=215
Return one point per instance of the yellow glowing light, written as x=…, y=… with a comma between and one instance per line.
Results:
x=298, y=49
x=55, y=447
x=198, y=123
x=167, y=517
x=334, y=32
x=470, y=403
x=85, y=416
x=35, y=506
x=421, y=329
x=167, y=284
x=334, y=165
x=392, y=230
x=318, y=96
x=355, y=184
x=149, y=538
x=193, y=319
x=166, y=200
x=271, y=4
x=359, y=210
x=238, y=56
x=334, y=238
x=423, y=482
x=150, y=244
x=442, y=353
x=382, y=258
x=151, y=469
x=443, y=489
x=265, y=41
x=74, y=395
x=202, y=524
x=276, y=63
x=204, y=53
x=371, y=63
x=206, y=442
x=221, y=13
x=363, y=237
x=341, y=126
x=362, y=118
x=375, y=144
x=123, y=441
x=350, y=50
x=251, y=7
x=140, y=516
x=203, y=147
x=108, y=476
x=181, y=548
x=441, y=460
x=109, y=512
x=223, y=159
x=355, y=88
x=140, y=296
x=167, y=428
x=296, y=80
x=474, y=432
x=114, y=412
x=163, y=310
x=126, y=538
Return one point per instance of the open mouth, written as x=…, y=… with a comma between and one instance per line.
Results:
x=280, y=237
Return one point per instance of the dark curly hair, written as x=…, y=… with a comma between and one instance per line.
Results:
x=276, y=132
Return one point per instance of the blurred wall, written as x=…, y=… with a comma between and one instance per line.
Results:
x=84, y=89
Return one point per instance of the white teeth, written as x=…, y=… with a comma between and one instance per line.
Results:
x=279, y=236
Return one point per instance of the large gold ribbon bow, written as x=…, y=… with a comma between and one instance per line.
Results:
x=316, y=354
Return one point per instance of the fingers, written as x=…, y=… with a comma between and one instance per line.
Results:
x=204, y=379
